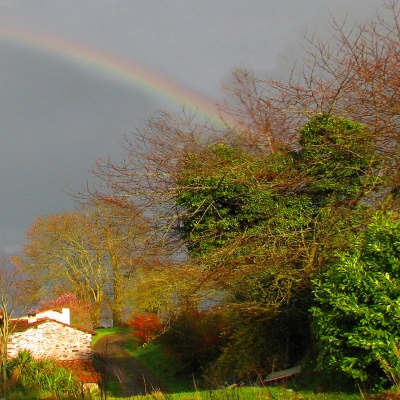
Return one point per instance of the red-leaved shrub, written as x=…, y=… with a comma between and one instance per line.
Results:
x=146, y=327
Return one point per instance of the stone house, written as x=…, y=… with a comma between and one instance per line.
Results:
x=50, y=335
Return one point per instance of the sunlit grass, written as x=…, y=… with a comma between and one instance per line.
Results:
x=248, y=393
x=166, y=369
x=101, y=332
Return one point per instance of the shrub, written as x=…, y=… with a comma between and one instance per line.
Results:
x=259, y=346
x=196, y=338
x=358, y=308
x=146, y=327
x=43, y=377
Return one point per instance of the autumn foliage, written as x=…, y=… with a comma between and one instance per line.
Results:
x=146, y=327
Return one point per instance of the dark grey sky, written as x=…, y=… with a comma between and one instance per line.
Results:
x=57, y=117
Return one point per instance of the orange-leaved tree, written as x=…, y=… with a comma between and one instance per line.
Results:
x=91, y=252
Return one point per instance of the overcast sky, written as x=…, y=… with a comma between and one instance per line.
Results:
x=58, y=115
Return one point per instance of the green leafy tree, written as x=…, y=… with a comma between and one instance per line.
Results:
x=262, y=205
x=266, y=223
x=358, y=309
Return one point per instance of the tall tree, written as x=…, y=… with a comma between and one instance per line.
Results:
x=270, y=221
x=61, y=251
x=122, y=237
x=90, y=252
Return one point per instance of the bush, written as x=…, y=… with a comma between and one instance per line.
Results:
x=146, y=327
x=259, y=346
x=43, y=377
x=195, y=338
x=358, y=308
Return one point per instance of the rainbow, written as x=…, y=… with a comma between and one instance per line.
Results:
x=116, y=67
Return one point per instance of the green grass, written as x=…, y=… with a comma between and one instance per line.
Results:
x=249, y=393
x=100, y=332
x=246, y=393
x=306, y=386
x=183, y=388
x=167, y=370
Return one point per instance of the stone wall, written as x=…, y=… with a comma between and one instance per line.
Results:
x=52, y=340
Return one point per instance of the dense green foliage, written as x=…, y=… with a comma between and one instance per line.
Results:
x=338, y=157
x=266, y=223
x=261, y=215
x=358, y=311
x=41, y=378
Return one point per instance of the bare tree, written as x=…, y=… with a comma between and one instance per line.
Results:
x=354, y=74
x=17, y=293
x=92, y=252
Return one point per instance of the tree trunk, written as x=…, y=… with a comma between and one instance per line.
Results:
x=116, y=306
x=4, y=335
x=3, y=365
x=96, y=314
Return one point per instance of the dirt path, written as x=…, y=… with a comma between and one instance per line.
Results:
x=132, y=375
